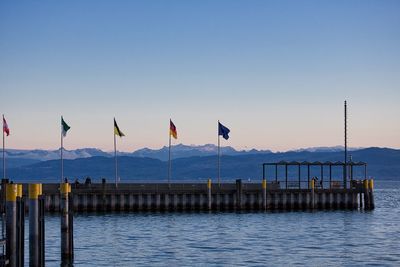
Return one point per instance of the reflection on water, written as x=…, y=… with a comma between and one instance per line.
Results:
x=236, y=239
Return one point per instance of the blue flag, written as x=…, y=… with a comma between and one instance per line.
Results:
x=222, y=130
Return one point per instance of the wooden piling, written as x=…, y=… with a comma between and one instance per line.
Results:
x=264, y=194
x=371, y=193
x=34, y=226
x=11, y=224
x=66, y=233
x=366, y=195
x=20, y=201
x=312, y=194
x=209, y=196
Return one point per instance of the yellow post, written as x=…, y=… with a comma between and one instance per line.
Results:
x=65, y=188
x=312, y=193
x=209, y=196
x=34, y=225
x=371, y=184
x=67, y=250
x=34, y=191
x=11, y=224
x=19, y=190
x=11, y=192
x=371, y=194
x=312, y=184
x=264, y=193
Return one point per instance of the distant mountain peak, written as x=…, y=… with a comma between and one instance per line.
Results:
x=325, y=149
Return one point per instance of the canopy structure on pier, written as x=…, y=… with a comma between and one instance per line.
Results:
x=316, y=164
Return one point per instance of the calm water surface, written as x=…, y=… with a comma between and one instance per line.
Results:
x=237, y=239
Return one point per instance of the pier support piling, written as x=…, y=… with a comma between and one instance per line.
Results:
x=66, y=225
x=371, y=194
x=11, y=224
x=20, y=226
x=264, y=194
x=36, y=226
x=209, y=196
x=239, y=194
x=312, y=193
x=367, y=205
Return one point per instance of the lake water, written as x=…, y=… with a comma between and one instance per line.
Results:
x=237, y=239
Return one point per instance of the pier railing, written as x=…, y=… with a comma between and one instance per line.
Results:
x=332, y=175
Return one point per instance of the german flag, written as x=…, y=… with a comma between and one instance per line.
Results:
x=172, y=130
x=117, y=131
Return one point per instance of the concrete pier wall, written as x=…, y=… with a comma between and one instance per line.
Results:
x=196, y=197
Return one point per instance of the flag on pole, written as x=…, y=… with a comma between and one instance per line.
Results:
x=64, y=127
x=5, y=127
x=117, y=131
x=224, y=131
x=172, y=130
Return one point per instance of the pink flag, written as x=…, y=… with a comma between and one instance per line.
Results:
x=5, y=127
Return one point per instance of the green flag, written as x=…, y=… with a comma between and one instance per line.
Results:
x=64, y=127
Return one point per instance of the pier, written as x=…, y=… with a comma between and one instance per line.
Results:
x=292, y=192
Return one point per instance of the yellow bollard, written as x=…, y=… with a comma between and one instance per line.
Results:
x=371, y=194
x=312, y=184
x=371, y=184
x=312, y=193
x=11, y=192
x=209, y=196
x=19, y=190
x=11, y=224
x=65, y=188
x=34, y=191
x=264, y=193
x=35, y=245
x=67, y=247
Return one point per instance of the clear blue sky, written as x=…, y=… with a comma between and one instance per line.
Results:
x=275, y=72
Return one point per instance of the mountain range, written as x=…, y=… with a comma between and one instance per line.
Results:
x=383, y=163
x=20, y=157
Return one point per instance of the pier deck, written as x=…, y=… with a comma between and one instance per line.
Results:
x=203, y=196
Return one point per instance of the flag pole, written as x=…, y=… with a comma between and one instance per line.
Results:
x=219, y=158
x=169, y=161
x=116, y=162
x=4, y=154
x=62, y=148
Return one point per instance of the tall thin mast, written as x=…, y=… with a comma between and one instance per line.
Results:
x=116, y=162
x=62, y=160
x=219, y=157
x=169, y=160
x=4, y=153
x=345, y=145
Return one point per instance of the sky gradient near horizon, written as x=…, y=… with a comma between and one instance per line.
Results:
x=275, y=72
